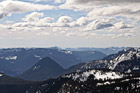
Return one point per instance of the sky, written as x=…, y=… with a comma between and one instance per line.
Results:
x=69, y=23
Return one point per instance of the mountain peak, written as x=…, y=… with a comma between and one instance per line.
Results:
x=46, y=68
x=46, y=58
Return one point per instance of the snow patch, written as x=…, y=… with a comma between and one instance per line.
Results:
x=136, y=68
x=37, y=56
x=96, y=73
x=36, y=67
x=68, y=52
x=11, y=58
x=1, y=75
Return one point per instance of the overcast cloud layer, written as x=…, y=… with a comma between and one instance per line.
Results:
x=93, y=23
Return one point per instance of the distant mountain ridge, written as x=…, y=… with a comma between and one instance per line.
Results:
x=107, y=51
x=86, y=56
x=14, y=61
x=18, y=60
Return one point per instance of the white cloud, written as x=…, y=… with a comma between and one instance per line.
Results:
x=99, y=2
x=55, y=1
x=64, y=19
x=121, y=25
x=59, y=1
x=99, y=24
x=33, y=16
x=126, y=11
x=42, y=0
x=102, y=8
x=82, y=21
x=9, y=6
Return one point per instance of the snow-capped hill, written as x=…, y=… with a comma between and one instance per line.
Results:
x=124, y=51
x=97, y=74
x=127, y=59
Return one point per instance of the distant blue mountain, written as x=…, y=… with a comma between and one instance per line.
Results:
x=17, y=60
x=107, y=51
x=14, y=61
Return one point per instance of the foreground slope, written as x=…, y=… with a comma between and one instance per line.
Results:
x=93, y=81
x=15, y=85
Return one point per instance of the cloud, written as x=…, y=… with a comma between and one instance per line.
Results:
x=82, y=21
x=37, y=19
x=59, y=1
x=102, y=8
x=86, y=27
x=64, y=19
x=33, y=16
x=126, y=11
x=99, y=24
x=99, y=2
x=42, y=0
x=9, y=6
x=55, y=1
x=121, y=25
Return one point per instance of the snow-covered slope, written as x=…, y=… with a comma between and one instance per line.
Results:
x=128, y=58
x=97, y=74
x=92, y=81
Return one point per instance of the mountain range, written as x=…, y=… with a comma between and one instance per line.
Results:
x=117, y=73
x=127, y=60
x=14, y=61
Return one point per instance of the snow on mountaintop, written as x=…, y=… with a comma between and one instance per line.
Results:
x=66, y=51
x=1, y=75
x=131, y=52
x=98, y=74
